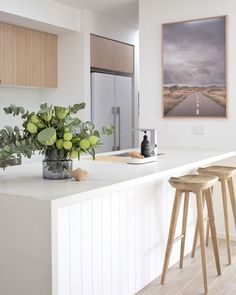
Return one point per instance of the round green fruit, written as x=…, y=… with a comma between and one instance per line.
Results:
x=32, y=128
x=67, y=136
x=67, y=145
x=84, y=144
x=74, y=154
x=59, y=144
x=67, y=129
x=34, y=119
x=93, y=140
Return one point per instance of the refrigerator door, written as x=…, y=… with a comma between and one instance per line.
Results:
x=103, y=100
x=124, y=106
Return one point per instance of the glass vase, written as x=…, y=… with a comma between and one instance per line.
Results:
x=55, y=168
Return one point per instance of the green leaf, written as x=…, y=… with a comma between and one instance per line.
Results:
x=92, y=152
x=9, y=130
x=12, y=109
x=77, y=107
x=21, y=110
x=45, y=110
x=43, y=106
x=8, y=110
x=7, y=148
x=3, y=132
x=108, y=130
x=47, y=136
x=96, y=133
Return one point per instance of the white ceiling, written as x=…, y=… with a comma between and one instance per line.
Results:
x=124, y=11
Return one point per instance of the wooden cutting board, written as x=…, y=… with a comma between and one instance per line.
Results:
x=113, y=159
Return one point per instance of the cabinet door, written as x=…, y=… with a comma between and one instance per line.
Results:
x=27, y=57
x=111, y=55
x=43, y=59
x=8, y=55
x=49, y=60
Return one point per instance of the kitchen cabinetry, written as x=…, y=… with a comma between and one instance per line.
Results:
x=111, y=55
x=27, y=57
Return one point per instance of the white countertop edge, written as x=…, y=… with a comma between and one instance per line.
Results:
x=94, y=193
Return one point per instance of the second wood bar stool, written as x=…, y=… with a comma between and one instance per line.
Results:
x=199, y=185
x=225, y=175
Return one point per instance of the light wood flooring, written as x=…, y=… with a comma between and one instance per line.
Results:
x=188, y=281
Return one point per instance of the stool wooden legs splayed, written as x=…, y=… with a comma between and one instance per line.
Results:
x=225, y=175
x=201, y=187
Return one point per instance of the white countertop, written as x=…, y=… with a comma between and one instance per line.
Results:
x=26, y=180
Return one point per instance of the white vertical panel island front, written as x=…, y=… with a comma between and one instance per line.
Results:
x=103, y=236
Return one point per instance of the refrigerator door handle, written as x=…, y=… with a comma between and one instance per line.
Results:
x=118, y=113
x=114, y=112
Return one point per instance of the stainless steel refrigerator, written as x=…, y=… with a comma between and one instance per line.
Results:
x=112, y=104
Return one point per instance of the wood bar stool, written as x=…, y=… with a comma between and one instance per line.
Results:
x=201, y=186
x=225, y=175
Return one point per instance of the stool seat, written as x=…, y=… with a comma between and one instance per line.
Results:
x=219, y=171
x=193, y=182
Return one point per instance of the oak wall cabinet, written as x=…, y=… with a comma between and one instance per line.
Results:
x=111, y=55
x=27, y=57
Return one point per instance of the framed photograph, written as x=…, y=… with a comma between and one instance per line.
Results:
x=194, y=68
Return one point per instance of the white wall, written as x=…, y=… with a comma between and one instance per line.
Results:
x=179, y=132
x=28, y=98
x=71, y=76
x=43, y=11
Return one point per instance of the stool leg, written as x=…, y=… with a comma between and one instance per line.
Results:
x=184, y=227
x=208, y=226
x=196, y=232
x=195, y=240
x=232, y=197
x=224, y=198
x=213, y=229
x=173, y=223
x=202, y=240
x=207, y=233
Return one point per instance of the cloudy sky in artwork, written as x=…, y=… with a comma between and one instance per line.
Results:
x=194, y=52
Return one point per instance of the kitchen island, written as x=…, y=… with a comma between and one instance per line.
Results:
x=103, y=236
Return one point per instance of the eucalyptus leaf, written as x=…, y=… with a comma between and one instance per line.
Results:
x=43, y=106
x=77, y=107
x=9, y=129
x=7, y=148
x=96, y=133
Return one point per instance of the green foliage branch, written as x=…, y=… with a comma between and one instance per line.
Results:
x=56, y=132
